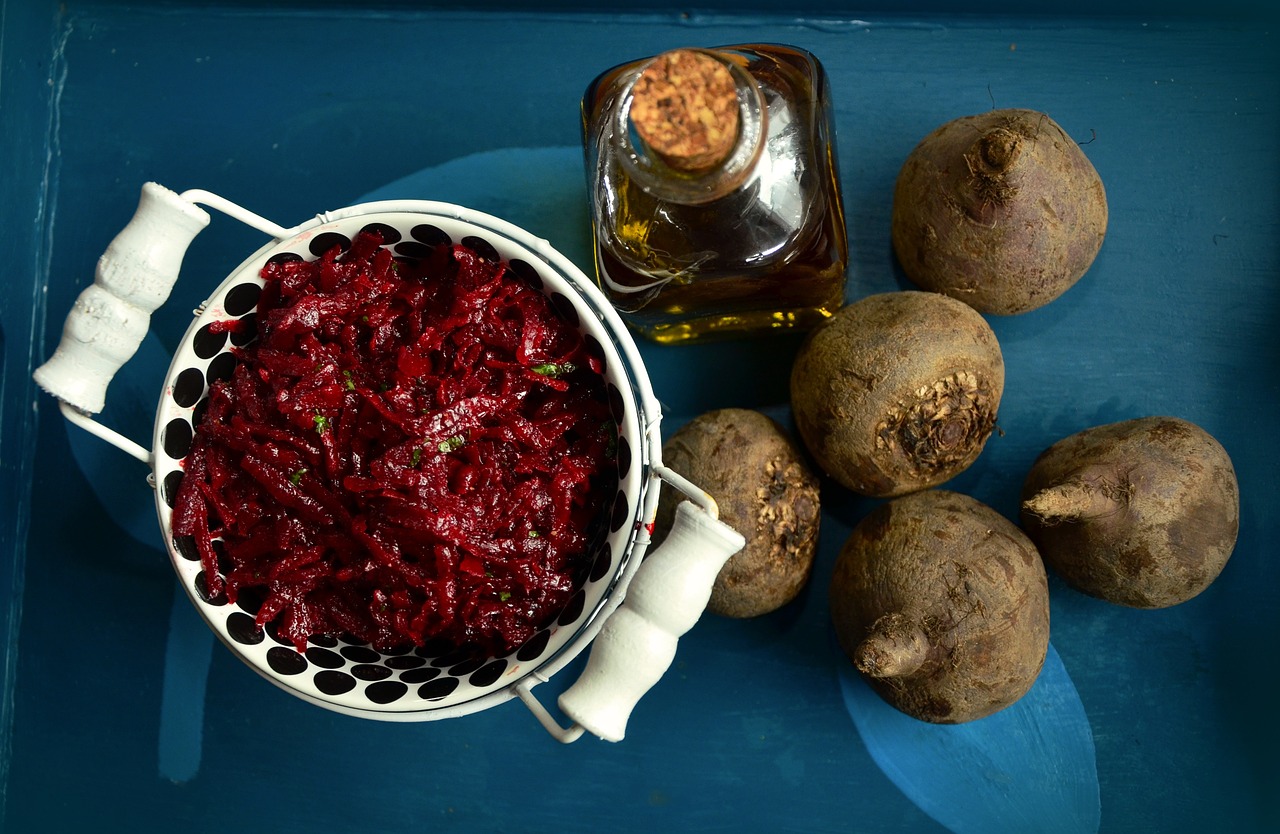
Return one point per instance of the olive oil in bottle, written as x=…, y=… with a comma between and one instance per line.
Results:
x=715, y=192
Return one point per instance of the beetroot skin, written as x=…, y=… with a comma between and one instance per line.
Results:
x=1001, y=210
x=1142, y=513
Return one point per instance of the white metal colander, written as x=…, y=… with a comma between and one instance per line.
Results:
x=632, y=607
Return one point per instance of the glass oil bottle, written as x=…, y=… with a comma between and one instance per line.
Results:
x=715, y=192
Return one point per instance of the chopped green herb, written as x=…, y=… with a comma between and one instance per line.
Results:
x=297, y=476
x=415, y=457
x=322, y=422
x=609, y=429
x=351, y=386
x=450, y=444
x=503, y=596
x=552, y=369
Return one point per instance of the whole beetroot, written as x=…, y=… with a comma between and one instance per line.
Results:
x=942, y=605
x=1143, y=512
x=765, y=489
x=1001, y=210
x=897, y=392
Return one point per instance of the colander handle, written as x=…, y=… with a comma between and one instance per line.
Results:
x=637, y=643
x=111, y=316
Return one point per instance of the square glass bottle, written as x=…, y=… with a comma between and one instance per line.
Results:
x=715, y=192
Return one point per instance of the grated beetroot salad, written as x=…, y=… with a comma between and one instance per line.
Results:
x=410, y=451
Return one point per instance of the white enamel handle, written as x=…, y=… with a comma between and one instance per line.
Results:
x=638, y=642
x=111, y=316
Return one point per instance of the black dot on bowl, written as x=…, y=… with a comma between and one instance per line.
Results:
x=177, y=438
x=188, y=386
x=360, y=654
x=284, y=258
x=526, y=273
x=454, y=657
x=534, y=646
x=621, y=512
x=326, y=640
x=430, y=235
x=241, y=299
x=624, y=457
x=617, y=404
x=370, y=671
x=388, y=234
x=207, y=341
x=602, y=563
x=482, y=247
x=565, y=308
x=325, y=241
x=247, y=331
x=186, y=547
x=596, y=350
x=466, y=667
x=487, y=674
x=573, y=610
x=250, y=599
x=384, y=692
x=220, y=553
x=243, y=629
x=412, y=249
x=420, y=675
x=396, y=651
x=197, y=412
x=273, y=631
x=406, y=662
x=201, y=586
x=324, y=658
x=169, y=489
x=434, y=647
x=286, y=661
x=222, y=367
x=333, y=683
x=437, y=689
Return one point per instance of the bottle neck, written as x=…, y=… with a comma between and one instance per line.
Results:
x=664, y=182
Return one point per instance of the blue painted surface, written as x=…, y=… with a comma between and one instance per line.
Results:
x=1028, y=767
x=316, y=106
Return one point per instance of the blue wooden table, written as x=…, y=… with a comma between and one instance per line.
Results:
x=120, y=712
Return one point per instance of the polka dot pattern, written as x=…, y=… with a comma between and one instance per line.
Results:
x=241, y=299
x=177, y=438
x=335, y=670
x=325, y=241
x=188, y=387
x=208, y=343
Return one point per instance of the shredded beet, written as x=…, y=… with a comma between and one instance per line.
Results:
x=408, y=452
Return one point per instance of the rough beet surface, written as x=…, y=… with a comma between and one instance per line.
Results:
x=897, y=392
x=1142, y=513
x=766, y=490
x=942, y=605
x=1001, y=210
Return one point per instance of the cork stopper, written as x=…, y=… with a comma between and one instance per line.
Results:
x=685, y=108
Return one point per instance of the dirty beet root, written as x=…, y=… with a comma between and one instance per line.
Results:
x=765, y=490
x=897, y=392
x=942, y=605
x=1001, y=210
x=1143, y=513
